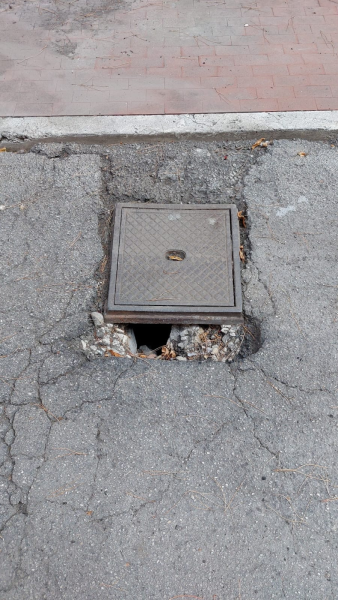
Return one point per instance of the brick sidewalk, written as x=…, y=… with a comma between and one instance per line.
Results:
x=154, y=57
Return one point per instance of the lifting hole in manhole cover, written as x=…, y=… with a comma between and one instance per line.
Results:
x=175, y=255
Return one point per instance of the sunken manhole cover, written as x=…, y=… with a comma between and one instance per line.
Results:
x=175, y=264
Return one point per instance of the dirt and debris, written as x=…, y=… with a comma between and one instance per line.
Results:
x=242, y=253
x=209, y=342
x=242, y=218
x=261, y=143
x=220, y=343
x=109, y=340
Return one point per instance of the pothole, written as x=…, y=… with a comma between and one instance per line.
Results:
x=221, y=343
x=163, y=254
x=172, y=265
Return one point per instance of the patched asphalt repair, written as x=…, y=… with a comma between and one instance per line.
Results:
x=154, y=480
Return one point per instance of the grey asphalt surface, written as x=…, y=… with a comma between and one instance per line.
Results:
x=154, y=481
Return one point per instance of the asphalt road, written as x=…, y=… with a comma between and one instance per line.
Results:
x=163, y=480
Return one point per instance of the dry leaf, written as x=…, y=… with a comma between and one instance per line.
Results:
x=174, y=257
x=241, y=253
x=258, y=143
x=168, y=354
x=2, y=149
x=165, y=352
x=262, y=143
x=89, y=512
x=114, y=353
x=301, y=153
x=241, y=218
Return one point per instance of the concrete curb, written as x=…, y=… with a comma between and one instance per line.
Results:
x=310, y=124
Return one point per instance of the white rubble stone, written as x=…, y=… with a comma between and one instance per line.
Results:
x=131, y=340
x=98, y=319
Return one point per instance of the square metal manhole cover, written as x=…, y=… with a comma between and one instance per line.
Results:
x=175, y=264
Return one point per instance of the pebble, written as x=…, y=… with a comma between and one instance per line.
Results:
x=98, y=319
x=225, y=328
x=181, y=358
x=106, y=340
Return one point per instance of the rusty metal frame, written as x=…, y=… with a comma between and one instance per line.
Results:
x=121, y=313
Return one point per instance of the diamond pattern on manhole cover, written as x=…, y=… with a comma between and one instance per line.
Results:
x=175, y=263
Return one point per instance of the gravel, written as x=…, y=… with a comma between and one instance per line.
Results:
x=218, y=343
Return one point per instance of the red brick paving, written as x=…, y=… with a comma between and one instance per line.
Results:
x=90, y=57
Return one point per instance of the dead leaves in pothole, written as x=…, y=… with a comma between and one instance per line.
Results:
x=242, y=253
x=241, y=218
x=167, y=354
x=261, y=143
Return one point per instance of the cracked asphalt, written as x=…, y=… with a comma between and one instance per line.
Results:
x=157, y=480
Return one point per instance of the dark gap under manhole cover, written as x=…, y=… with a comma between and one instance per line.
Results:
x=153, y=336
x=175, y=264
